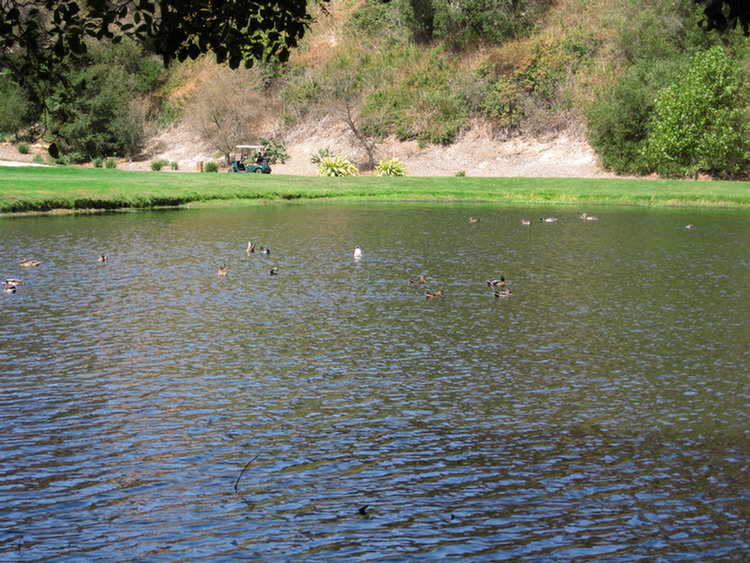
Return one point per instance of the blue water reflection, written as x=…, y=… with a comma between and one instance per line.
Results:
x=598, y=414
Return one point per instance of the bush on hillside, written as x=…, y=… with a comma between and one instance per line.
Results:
x=461, y=22
x=276, y=151
x=417, y=95
x=15, y=107
x=700, y=122
x=158, y=164
x=325, y=152
x=617, y=122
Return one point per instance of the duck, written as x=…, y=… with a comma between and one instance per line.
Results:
x=102, y=258
x=265, y=249
x=13, y=281
x=473, y=219
x=9, y=287
x=525, y=222
x=27, y=263
x=250, y=247
x=221, y=270
x=358, y=253
x=548, y=219
x=586, y=217
x=435, y=294
x=503, y=293
x=274, y=271
x=497, y=283
x=689, y=226
x=422, y=279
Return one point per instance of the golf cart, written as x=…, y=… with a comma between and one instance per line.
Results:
x=260, y=158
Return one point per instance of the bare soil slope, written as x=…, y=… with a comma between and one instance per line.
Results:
x=476, y=153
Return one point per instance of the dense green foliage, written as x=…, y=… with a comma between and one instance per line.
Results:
x=461, y=22
x=15, y=112
x=104, y=119
x=700, y=122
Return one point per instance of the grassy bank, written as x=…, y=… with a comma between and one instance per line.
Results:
x=29, y=189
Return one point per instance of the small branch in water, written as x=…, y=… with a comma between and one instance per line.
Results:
x=237, y=482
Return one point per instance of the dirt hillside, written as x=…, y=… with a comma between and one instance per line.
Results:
x=476, y=153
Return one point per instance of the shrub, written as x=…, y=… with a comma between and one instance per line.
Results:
x=16, y=107
x=325, y=152
x=503, y=103
x=337, y=166
x=110, y=163
x=460, y=174
x=390, y=167
x=415, y=97
x=617, y=122
x=699, y=122
x=211, y=166
x=77, y=157
x=98, y=162
x=38, y=159
x=23, y=148
x=174, y=165
x=275, y=151
x=158, y=164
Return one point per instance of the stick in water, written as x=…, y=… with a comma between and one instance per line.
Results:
x=237, y=482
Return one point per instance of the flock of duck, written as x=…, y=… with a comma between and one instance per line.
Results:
x=11, y=284
x=499, y=285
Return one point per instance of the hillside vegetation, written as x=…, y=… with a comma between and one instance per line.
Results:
x=651, y=89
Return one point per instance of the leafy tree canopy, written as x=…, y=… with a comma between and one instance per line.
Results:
x=698, y=122
x=37, y=38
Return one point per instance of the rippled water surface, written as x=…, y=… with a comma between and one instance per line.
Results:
x=152, y=411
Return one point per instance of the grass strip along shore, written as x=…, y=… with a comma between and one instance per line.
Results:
x=37, y=189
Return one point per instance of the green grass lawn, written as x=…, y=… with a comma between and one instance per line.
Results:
x=29, y=189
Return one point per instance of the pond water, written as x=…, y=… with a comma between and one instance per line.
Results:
x=153, y=411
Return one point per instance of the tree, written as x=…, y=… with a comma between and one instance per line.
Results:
x=340, y=88
x=15, y=107
x=699, y=123
x=228, y=110
x=37, y=39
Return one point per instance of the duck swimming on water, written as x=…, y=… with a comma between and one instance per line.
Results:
x=497, y=283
